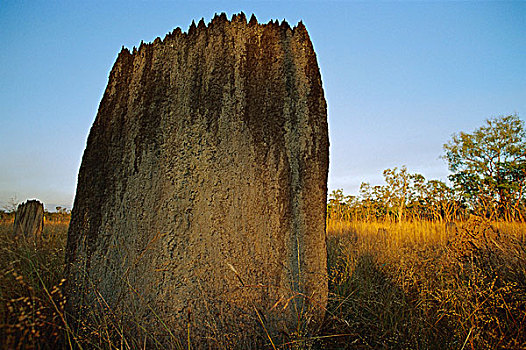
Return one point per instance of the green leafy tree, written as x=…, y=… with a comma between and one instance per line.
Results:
x=489, y=166
x=338, y=207
x=441, y=202
x=398, y=199
x=400, y=190
x=416, y=199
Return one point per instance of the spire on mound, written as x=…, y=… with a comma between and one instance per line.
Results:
x=253, y=20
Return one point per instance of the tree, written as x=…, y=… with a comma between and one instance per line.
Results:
x=400, y=190
x=399, y=198
x=371, y=201
x=440, y=201
x=11, y=205
x=339, y=205
x=489, y=166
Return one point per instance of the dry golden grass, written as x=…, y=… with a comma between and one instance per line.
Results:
x=410, y=285
x=31, y=278
x=425, y=285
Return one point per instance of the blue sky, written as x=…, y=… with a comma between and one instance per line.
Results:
x=399, y=77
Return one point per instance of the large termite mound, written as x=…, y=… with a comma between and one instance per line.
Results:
x=201, y=196
x=29, y=220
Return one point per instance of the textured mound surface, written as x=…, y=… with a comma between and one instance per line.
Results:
x=201, y=196
x=29, y=220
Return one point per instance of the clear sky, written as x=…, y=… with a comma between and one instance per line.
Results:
x=399, y=77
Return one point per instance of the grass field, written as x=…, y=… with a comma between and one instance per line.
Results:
x=422, y=285
x=31, y=277
x=410, y=285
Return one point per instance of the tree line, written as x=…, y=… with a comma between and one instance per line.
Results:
x=488, y=179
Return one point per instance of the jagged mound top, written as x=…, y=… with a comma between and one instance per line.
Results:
x=221, y=20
